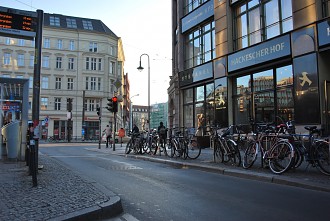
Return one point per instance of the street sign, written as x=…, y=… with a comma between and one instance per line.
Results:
x=117, y=83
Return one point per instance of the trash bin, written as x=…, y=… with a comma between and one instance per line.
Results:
x=11, y=137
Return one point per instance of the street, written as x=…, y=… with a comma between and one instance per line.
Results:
x=156, y=191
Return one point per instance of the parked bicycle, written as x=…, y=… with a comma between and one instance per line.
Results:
x=274, y=148
x=312, y=150
x=225, y=149
x=135, y=144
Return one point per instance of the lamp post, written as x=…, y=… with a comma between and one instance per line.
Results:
x=131, y=111
x=140, y=68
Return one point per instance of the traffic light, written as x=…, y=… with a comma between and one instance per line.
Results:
x=114, y=104
x=110, y=105
x=98, y=111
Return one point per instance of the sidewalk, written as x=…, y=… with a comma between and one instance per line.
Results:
x=61, y=194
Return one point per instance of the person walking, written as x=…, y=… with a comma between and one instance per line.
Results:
x=161, y=136
x=107, y=131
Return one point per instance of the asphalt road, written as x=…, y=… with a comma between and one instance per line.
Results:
x=155, y=191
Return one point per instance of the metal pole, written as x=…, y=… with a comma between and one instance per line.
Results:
x=36, y=96
x=114, y=131
x=100, y=136
x=148, y=93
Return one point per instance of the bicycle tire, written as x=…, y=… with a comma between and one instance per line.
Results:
x=169, y=148
x=217, y=153
x=235, y=155
x=321, y=154
x=281, y=157
x=250, y=154
x=193, y=149
x=298, y=156
x=128, y=148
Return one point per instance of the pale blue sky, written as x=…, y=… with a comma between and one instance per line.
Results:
x=143, y=25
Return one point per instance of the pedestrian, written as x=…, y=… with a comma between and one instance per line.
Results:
x=107, y=132
x=135, y=129
x=162, y=133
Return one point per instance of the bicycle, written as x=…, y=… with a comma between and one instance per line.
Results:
x=225, y=149
x=174, y=145
x=274, y=148
x=135, y=144
x=312, y=150
x=191, y=145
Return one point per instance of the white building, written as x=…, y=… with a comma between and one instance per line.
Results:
x=82, y=60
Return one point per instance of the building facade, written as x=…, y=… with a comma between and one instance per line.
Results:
x=82, y=64
x=140, y=116
x=158, y=113
x=240, y=60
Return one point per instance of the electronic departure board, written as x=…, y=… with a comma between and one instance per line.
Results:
x=17, y=23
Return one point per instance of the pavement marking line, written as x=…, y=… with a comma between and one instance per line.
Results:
x=129, y=217
x=128, y=165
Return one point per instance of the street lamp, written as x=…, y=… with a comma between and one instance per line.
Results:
x=140, y=68
x=131, y=110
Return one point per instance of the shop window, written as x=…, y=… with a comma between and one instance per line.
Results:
x=285, y=108
x=199, y=93
x=263, y=80
x=243, y=85
x=284, y=76
x=188, y=116
x=188, y=96
x=221, y=102
x=256, y=21
x=264, y=107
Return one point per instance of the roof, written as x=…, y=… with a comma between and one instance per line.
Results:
x=70, y=22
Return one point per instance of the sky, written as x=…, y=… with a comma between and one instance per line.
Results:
x=144, y=27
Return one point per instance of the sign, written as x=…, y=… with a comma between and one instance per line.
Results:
x=117, y=83
x=18, y=23
x=121, y=132
x=267, y=51
x=323, y=33
x=193, y=75
x=197, y=16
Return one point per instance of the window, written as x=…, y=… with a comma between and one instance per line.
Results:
x=257, y=21
x=200, y=45
x=44, y=82
x=45, y=61
x=32, y=43
x=59, y=62
x=99, y=80
x=71, y=45
x=31, y=61
x=58, y=83
x=8, y=41
x=21, y=42
x=87, y=63
x=71, y=64
x=91, y=105
x=262, y=96
x=46, y=43
x=93, y=84
x=43, y=103
x=57, y=102
x=30, y=82
x=54, y=21
x=70, y=83
x=20, y=60
x=6, y=59
x=59, y=44
x=71, y=23
x=93, y=46
x=87, y=25
x=326, y=8
x=86, y=85
x=191, y=5
x=100, y=64
x=112, y=67
x=93, y=64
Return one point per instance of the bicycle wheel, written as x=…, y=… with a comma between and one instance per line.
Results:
x=234, y=154
x=169, y=148
x=298, y=156
x=193, y=148
x=217, y=153
x=321, y=154
x=129, y=146
x=250, y=154
x=281, y=157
